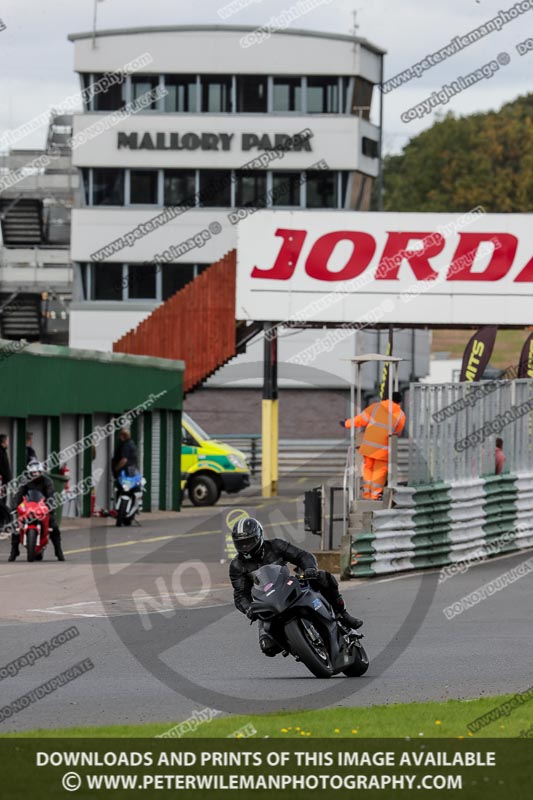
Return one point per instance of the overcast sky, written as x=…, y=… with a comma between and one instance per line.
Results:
x=36, y=58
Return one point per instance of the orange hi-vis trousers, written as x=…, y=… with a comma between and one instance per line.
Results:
x=374, y=477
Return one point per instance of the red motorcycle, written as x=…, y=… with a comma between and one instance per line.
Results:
x=34, y=521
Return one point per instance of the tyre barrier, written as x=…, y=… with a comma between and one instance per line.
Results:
x=440, y=524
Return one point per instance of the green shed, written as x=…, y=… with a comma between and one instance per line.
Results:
x=72, y=401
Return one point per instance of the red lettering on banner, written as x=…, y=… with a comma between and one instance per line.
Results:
x=395, y=251
x=498, y=266
x=526, y=275
x=288, y=256
x=364, y=247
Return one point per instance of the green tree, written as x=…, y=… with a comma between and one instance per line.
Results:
x=462, y=162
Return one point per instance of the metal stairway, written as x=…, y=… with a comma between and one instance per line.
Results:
x=360, y=518
x=21, y=222
x=361, y=512
x=20, y=317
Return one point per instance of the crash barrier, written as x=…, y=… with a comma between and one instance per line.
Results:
x=307, y=457
x=453, y=427
x=445, y=523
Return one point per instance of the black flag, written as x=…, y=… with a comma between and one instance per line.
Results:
x=525, y=365
x=478, y=352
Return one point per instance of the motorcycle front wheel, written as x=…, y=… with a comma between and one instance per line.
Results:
x=31, y=542
x=310, y=648
x=359, y=664
x=121, y=513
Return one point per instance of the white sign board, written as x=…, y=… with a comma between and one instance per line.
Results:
x=221, y=141
x=350, y=267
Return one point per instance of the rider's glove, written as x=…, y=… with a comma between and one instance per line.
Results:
x=251, y=615
x=311, y=573
x=341, y=423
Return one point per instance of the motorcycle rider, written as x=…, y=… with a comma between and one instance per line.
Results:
x=254, y=552
x=39, y=482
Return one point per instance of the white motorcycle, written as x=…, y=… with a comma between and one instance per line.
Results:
x=128, y=500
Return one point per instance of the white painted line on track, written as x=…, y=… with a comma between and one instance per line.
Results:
x=58, y=610
x=64, y=613
x=46, y=611
x=168, y=610
x=129, y=613
x=74, y=605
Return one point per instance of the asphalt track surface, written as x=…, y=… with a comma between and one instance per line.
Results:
x=165, y=639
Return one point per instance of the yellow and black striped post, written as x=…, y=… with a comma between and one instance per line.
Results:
x=269, y=461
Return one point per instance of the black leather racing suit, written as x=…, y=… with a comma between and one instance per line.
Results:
x=278, y=551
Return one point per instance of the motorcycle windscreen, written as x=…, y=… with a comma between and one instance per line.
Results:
x=34, y=496
x=129, y=482
x=270, y=573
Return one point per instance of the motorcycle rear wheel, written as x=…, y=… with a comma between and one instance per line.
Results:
x=315, y=656
x=31, y=542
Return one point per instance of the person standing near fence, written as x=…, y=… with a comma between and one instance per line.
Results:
x=5, y=478
x=499, y=457
x=31, y=455
x=375, y=446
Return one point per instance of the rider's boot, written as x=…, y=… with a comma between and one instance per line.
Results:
x=344, y=617
x=55, y=536
x=268, y=646
x=15, y=552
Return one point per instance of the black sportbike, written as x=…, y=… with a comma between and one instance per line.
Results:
x=303, y=624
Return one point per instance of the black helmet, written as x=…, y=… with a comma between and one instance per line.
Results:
x=248, y=537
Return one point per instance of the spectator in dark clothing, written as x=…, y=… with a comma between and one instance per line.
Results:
x=5, y=478
x=5, y=467
x=125, y=455
x=31, y=455
x=500, y=456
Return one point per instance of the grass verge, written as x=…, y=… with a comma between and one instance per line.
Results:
x=414, y=720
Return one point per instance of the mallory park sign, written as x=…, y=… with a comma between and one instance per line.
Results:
x=215, y=141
